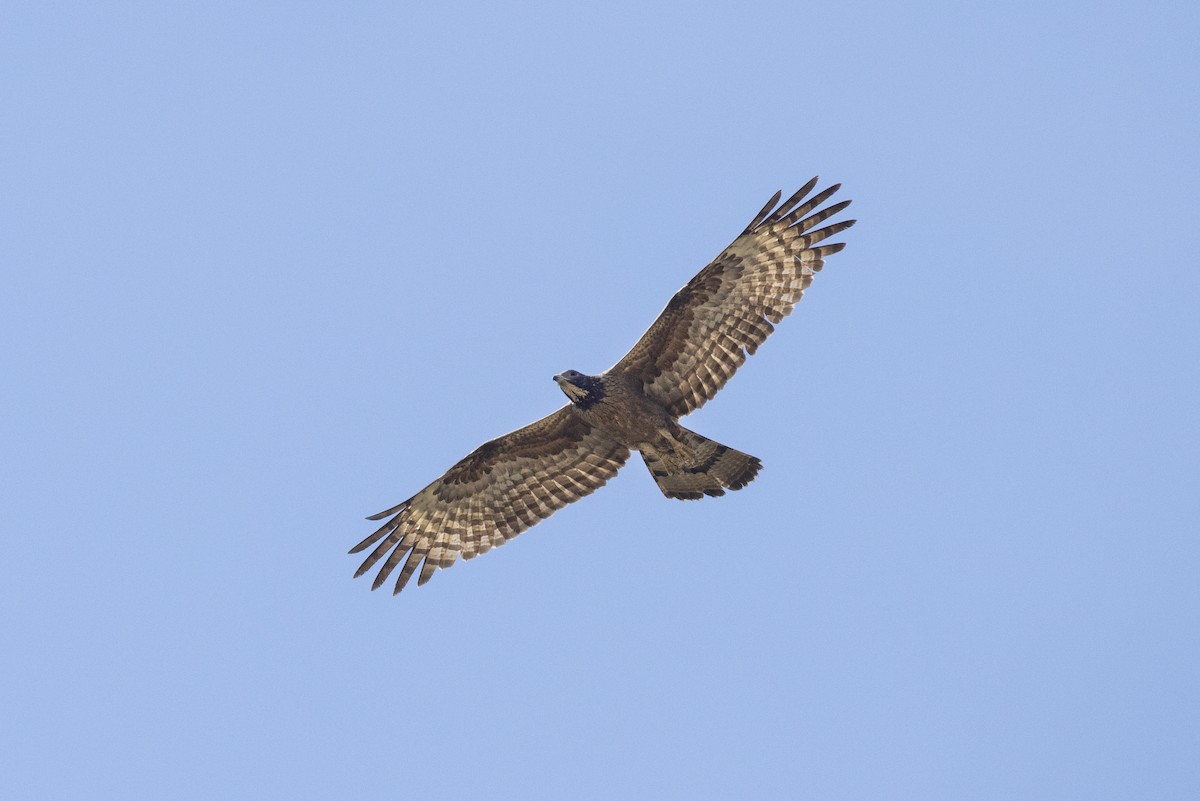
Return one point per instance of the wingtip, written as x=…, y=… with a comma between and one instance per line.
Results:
x=400, y=507
x=427, y=571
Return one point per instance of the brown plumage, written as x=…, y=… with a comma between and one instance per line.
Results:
x=697, y=343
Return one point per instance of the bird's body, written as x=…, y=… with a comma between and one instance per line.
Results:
x=684, y=464
x=699, y=340
x=616, y=405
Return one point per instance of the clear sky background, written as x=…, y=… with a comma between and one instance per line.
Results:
x=268, y=270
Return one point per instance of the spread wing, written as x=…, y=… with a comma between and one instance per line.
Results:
x=497, y=491
x=704, y=334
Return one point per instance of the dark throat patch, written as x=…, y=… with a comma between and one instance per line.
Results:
x=585, y=391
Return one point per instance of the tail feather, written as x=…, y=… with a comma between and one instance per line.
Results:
x=693, y=466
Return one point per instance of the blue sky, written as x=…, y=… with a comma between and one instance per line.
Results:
x=269, y=270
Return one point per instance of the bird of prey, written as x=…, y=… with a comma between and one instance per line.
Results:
x=702, y=336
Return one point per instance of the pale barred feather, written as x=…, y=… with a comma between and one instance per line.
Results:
x=430, y=544
x=731, y=306
x=419, y=550
x=476, y=533
x=440, y=546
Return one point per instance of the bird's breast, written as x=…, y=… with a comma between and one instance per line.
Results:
x=630, y=418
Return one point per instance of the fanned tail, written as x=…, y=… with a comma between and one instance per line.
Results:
x=691, y=466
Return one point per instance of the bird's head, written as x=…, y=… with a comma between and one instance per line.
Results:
x=583, y=390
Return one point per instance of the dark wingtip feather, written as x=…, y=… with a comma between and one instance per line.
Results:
x=791, y=202
x=800, y=212
x=762, y=215
x=378, y=582
x=379, y=533
x=368, y=541
x=397, y=508
x=836, y=207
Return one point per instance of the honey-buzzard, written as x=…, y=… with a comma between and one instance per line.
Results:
x=697, y=343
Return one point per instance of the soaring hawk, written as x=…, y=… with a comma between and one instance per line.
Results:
x=703, y=335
